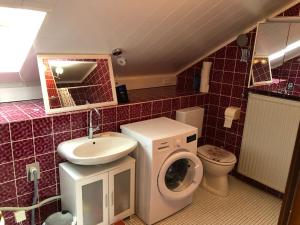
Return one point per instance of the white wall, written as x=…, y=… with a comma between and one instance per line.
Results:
x=147, y=81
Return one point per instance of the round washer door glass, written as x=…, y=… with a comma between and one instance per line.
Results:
x=180, y=175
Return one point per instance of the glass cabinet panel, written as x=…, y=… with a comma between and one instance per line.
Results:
x=121, y=192
x=92, y=203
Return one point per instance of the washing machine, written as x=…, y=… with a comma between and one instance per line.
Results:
x=168, y=170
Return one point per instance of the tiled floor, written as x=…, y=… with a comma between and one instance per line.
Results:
x=245, y=205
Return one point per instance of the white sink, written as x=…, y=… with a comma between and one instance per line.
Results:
x=103, y=148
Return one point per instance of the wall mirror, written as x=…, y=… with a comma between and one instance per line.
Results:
x=277, y=47
x=76, y=82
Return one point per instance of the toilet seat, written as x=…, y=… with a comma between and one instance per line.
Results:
x=216, y=155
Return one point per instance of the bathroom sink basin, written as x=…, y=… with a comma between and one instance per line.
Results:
x=103, y=148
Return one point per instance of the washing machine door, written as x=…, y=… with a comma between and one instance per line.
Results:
x=180, y=175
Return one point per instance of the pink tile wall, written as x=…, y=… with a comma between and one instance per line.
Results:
x=289, y=72
x=29, y=140
x=228, y=87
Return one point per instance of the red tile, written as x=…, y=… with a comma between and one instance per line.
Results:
x=58, y=138
x=5, y=153
x=20, y=166
x=123, y=113
x=25, y=200
x=79, y=120
x=24, y=186
x=47, y=179
x=42, y=126
x=7, y=172
x=184, y=102
x=230, y=139
x=146, y=109
x=43, y=144
x=8, y=191
x=167, y=105
x=21, y=130
x=23, y=149
x=47, y=192
x=226, y=89
x=46, y=161
x=135, y=111
x=79, y=133
x=156, y=107
x=110, y=127
x=61, y=123
x=175, y=103
x=109, y=115
x=4, y=134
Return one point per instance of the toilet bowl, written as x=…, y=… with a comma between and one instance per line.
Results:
x=217, y=163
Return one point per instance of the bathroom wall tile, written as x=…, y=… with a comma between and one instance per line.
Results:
x=46, y=161
x=61, y=137
x=20, y=166
x=146, y=109
x=8, y=191
x=167, y=105
x=5, y=153
x=123, y=113
x=47, y=192
x=79, y=120
x=23, y=149
x=79, y=133
x=135, y=111
x=109, y=127
x=157, y=107
x=21, y=130
x=23, y=186
x=42, y=126
x=25, y=200
x=61, y=123
x=44, y=144
x=184, y=102
x=4, y=134
x=47, y=179
x=7, y=172
x=109, y=115
x=176, y=103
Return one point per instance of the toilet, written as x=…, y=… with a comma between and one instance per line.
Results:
x=217, y=162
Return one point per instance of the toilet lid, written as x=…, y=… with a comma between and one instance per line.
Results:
x=216, y=154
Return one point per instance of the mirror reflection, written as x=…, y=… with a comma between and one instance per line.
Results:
x=261, y=70
x=279, y=44
x=76, y=81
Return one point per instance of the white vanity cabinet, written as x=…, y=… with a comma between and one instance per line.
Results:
x=98, y=195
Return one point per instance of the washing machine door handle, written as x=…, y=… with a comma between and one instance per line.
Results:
x=180, y=175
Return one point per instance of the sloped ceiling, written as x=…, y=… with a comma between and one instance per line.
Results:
x=157, y=36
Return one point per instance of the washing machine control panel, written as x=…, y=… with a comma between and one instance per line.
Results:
x=191, y=138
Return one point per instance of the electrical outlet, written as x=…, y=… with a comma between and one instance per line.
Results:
x=31, y=167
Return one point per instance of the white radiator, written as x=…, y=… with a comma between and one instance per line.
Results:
x=269, y=137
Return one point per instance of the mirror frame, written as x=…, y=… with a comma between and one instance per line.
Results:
x=48, y=110
x=251, y=77
x=259, y=83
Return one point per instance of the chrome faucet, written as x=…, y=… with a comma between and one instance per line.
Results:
x=91, y=128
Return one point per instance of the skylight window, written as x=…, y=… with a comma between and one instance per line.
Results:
x=18, y=30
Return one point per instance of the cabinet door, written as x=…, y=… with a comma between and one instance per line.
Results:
x=121, y=188
x=93, y=200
